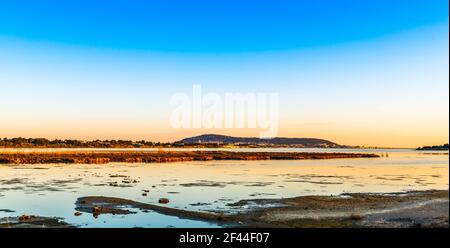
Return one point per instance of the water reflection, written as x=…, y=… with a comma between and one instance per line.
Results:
x=52, y=190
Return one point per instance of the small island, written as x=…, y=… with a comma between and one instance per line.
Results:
x=443, y=147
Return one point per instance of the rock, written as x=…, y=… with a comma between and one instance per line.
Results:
x=356, y=216
x=425, y=225
x=24, y=217
x=96, y=209
x=130, y=181
x=163, y=200
x=77, y=214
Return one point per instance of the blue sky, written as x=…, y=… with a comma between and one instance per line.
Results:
x=214, y=26
x=355, y=72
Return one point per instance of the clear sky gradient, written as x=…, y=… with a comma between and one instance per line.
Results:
x=369, y=73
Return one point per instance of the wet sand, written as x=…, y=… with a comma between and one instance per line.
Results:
x=417, y=209
x=101, y=157
x=411, y=209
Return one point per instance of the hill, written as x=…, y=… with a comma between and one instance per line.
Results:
x=280, y=141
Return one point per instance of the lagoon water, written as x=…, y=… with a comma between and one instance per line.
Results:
x=52, y=190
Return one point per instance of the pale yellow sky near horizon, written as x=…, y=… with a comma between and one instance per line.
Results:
x=392, y=91
x=344, y=134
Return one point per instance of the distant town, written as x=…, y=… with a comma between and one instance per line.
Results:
x=207, y=141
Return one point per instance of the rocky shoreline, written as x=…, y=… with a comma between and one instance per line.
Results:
x=102, y=157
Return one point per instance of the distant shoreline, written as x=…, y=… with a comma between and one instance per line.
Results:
x=102, y=157
x=443, y=147
x=202, y=141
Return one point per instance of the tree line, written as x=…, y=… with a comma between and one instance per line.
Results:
x=69, y=143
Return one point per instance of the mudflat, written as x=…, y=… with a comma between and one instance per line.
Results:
x=101, y=157
x=411, y=209
x=416, y=209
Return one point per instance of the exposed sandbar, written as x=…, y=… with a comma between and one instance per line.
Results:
x=412, y=209
x=102, y=157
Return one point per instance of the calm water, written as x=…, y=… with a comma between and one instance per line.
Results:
x=52, y=190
